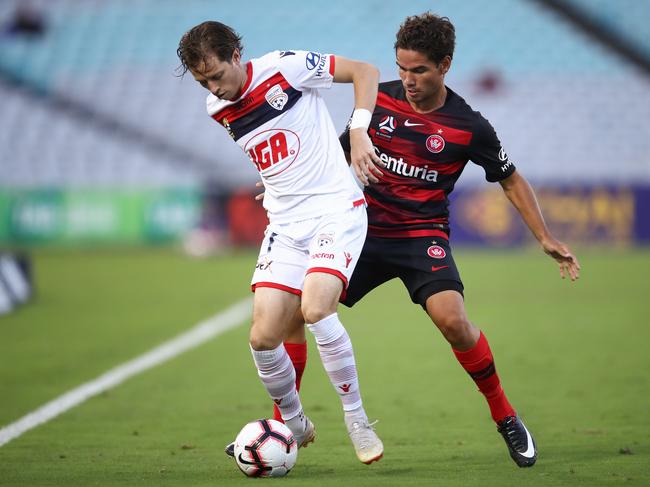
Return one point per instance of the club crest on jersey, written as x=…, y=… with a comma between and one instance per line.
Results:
x=435, y=143
x=325, y=239
x=436, y=252
x=276, y=97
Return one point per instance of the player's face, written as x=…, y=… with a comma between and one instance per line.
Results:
x=221, y=78
x=422, y=78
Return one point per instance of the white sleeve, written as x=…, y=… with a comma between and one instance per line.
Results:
x=307, y=69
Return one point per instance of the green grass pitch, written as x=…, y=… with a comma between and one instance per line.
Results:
x=573, y=359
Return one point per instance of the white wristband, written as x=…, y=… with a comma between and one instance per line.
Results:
x=360, y=118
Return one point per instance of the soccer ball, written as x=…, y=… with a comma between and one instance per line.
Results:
x=265, y=448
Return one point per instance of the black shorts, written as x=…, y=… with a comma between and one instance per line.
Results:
x=424, y=264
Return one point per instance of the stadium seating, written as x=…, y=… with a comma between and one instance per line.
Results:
x=564, y=107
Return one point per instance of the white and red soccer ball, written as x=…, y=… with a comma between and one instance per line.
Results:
x=265, y=448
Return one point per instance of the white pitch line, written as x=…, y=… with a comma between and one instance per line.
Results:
x=192, y=338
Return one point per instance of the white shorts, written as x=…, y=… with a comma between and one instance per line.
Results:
x=331, y=244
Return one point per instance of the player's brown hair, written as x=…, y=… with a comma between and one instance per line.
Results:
x=207, y=38
x=429, y=34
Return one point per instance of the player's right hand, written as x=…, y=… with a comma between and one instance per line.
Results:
x=363, y=158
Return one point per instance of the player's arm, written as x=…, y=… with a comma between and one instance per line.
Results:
x=522, y=197
x=365, y=78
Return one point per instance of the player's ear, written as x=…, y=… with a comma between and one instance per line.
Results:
x=236, y=57
x=444, y=65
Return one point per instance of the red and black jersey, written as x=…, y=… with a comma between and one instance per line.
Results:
x=424, y=155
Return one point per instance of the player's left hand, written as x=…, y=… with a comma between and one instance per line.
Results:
x=569, y=265
x=363, y=158
x=259, y=197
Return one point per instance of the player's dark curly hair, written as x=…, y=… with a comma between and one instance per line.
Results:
x=429, y=34
x=207, y=38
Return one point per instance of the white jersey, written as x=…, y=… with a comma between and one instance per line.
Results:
x=283, y=125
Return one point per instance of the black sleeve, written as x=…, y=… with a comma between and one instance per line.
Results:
x=486, y=151
x=344, y=138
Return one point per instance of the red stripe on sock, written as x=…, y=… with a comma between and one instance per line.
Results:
x=479, y=361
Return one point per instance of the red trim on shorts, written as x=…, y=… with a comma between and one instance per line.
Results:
x=334, y=272
x=332, y=62
x=360, y=202
x=401, y=233
x=275, y=285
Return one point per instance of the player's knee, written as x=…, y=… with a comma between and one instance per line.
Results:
x=259, y=340
x=455, y=328
x=314, y=311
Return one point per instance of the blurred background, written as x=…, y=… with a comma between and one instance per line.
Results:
x=102, y=143
x=113, y=180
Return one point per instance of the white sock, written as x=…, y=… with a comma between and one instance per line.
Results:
x=279, y=377
x=337, y=355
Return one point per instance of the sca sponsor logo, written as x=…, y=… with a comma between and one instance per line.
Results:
x=276, y=97
x=273, y=151
x=437, y=252
x=435, y=143
x=403, y=168
x=264, y=265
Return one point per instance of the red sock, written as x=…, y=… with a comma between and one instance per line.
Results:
x=298, y=355
x=479, y=364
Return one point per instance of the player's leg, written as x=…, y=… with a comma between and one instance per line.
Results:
x=277, y=282
x=471, y=348
x=272, y=311
x=296, y=346
x=333, y=253
x=433, y=280
x=320, y=298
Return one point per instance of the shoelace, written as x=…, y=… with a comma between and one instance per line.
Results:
x=517, y=438
x=360, y=429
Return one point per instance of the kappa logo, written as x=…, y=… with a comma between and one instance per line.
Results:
x=276, y=97
x=387, y=124
x=435, y=143
x=436, y=252
x=348, y=259
x=345, y=387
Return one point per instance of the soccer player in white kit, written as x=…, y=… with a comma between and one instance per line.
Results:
x=317, y=226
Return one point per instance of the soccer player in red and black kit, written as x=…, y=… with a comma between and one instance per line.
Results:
x=425, y=134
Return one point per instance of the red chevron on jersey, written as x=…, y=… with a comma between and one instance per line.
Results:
x=429, y=127
x=252, y=101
